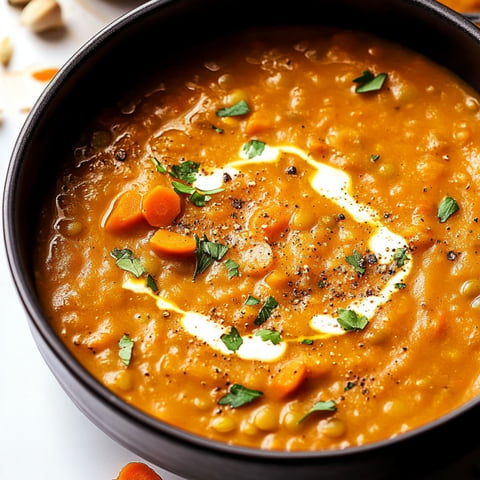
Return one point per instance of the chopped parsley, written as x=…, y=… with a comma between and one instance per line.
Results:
x=232, y=268
x=368, y=82
x=400, y=285
x=152, y=284
x=266, y=311
x=125, y=260
x=267, y=334
x=349, y=386
x=186, y=171
x=446, y=209
x=240, y=108
x=239, y=395
x=374, y=157
x=400, y=256
x=356, y=261
x=251, y=300
x=328, y=406
x=217, y=129
x=126, y=349
x=232, y=340
x=254, y=148
x=350, y=320
x=198, y=197
x=307, y=341
x=158, y=166
x=206, y=252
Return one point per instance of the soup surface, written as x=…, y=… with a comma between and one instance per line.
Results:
x=275, y=242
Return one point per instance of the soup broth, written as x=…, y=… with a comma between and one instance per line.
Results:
x=274, y=242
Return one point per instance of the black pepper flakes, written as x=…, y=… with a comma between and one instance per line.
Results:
x=292, y=170
x=121, y=155
x=451, y=255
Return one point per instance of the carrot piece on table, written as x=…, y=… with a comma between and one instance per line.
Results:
x=290, y=377
x=165, y=242
x=160, y=206
x=126, y=213
x=137, y=471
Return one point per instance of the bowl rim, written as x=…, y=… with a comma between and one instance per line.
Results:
x=40, y=324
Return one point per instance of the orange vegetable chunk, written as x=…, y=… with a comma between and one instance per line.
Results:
x=165, y=242
x=290, y=377
x=126, y=213
x=161, y=205
x=137, y=471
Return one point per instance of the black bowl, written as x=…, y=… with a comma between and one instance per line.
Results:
x=106, y=66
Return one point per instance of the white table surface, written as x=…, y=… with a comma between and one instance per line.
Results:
x=43, y=436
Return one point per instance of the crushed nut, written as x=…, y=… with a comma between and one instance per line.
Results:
x=6, y=51
x=42, y=15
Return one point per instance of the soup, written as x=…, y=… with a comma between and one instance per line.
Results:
x=274, y=242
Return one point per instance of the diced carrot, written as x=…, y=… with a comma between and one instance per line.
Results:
x=137, y=471
x=160, y=206
x=44, y=75
x=165, y=242
x=289, y=378
x=258, y=122
x=126, y=213
x=270, y=222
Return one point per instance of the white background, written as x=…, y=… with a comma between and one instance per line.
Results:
x=42, y=434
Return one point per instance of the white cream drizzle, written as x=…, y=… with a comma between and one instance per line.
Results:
x=332, y=184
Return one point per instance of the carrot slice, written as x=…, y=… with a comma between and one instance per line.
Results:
x=290, y=377
x=165, y=242
x=258, y=122
x=160, y=206
x=126, y=213
x=137, y=471
x=271, y=222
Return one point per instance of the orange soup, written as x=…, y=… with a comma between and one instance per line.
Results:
x=275, y=242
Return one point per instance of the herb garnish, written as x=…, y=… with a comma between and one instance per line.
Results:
x=232, y=268
x=217, y=129
x=368, y=82
x=266, y=311
x=125, y=260
x=186, y=171
x=158, y=166
x=251, y=300
x=198, y=197
x=307, y=341
x=400, y=285
x=350, y=320
x=206, y=252
x=328, y=406
x=446, y=209
x=232, y=340
x=240, y=108
x=152, y=284
x=239, y=395
x=400, y=256
x=267, y=334
x=356, y=260
x=126, y=349
x=253, y=148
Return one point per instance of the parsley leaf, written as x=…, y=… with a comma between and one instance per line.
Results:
x=151, y=284
x=254, y=148
x=446, y=209
x=232, y=268
x=266, y=311
x=307, y=341
x=356, y=261
x=240, y=108
x=328, y=406
x=180, y=187
x=232, y=340
x=267, y=334
x=350, y=320
x=251, y=300
x=368, y=82
x=125, y=260
x=400, y=256
x=206, y=252
x=126, y=349
x=186, y=171
x=217, y=129
x=159, y=167
x=239, y=395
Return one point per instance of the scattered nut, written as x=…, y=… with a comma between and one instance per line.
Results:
x=6, y=51
x=18, y=3
x=42, y=15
